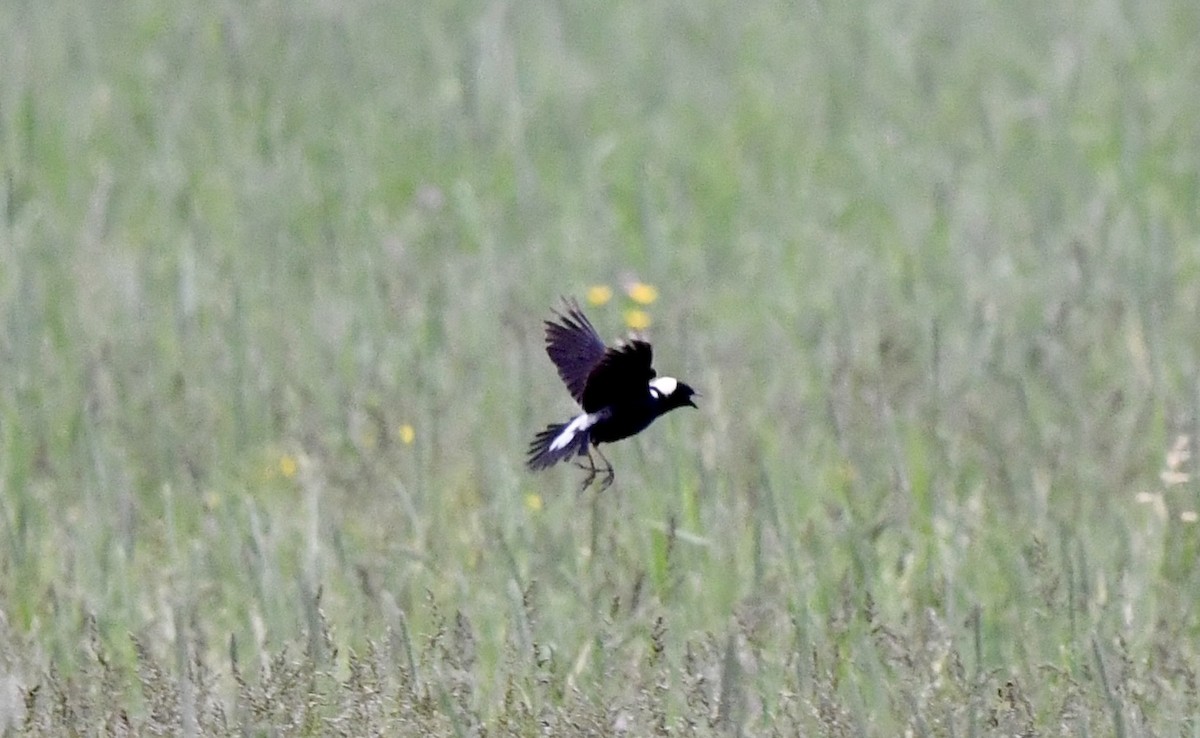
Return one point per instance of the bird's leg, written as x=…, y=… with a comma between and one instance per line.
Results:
x=590, y=469
x=609, y=474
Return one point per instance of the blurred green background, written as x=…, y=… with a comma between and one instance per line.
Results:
x=272, y=278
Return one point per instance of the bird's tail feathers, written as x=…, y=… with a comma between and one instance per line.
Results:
x=558, y=442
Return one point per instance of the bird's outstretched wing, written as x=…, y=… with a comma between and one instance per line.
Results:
x=574, y=347
x=621, y=368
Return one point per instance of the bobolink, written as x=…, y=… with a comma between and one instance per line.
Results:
x=617, y=388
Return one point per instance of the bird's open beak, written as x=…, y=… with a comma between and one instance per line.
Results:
x=694, y=394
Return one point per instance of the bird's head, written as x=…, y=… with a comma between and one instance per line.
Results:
x=672, y=393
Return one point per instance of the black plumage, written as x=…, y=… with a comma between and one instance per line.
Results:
x=617, y=387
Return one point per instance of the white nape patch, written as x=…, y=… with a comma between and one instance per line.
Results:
x=575, y=427
x=663, y=387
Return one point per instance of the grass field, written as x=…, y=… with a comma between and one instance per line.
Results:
x=272, y=277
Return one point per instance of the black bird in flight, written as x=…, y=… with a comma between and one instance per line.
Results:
x=617, y=388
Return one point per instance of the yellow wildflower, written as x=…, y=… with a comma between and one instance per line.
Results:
x=407, y=434
x=533, y=501
x=641, y=293
x=638, y=320
x=599, y=294
x=288, y=466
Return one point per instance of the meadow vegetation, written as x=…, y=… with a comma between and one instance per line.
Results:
x=272, y=277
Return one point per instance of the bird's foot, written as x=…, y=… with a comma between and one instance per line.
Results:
x=609, y=474
x=607, y=480
x=591, y=470
x=587, y=481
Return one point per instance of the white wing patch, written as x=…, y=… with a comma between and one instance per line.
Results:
x=574, y=428
x=663, y=387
